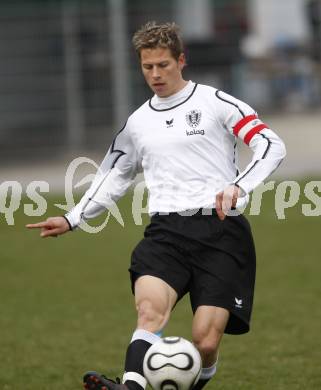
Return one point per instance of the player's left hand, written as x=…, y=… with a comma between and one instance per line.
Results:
x=226, y=199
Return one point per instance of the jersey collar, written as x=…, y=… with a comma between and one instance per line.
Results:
x=157, y=103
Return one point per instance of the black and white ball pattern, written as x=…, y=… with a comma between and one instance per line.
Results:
x=172, y=363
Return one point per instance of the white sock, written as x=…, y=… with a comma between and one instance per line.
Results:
x=142, y=334
x=208, y=372
x=139, y=344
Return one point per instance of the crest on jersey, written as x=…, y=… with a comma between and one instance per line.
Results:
x=193, y=118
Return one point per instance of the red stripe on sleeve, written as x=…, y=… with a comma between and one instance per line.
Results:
x=242, y=123
x=254, y=131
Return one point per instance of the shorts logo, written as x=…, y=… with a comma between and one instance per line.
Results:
x=193, y=118
x=238, y=303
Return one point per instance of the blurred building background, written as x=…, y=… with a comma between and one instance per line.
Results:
x=69, y=76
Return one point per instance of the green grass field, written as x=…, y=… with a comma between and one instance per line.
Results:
x=66, y=306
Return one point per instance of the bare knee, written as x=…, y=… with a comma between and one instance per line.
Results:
x=151, y=317
x=209, y=324
x=207, y=340
x=154, y=300
x=207, y=343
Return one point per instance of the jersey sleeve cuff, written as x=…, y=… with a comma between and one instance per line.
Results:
x=69, y=224
x=243, y=191
x=71, y=220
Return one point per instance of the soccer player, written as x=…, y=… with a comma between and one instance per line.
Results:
x=184, y=140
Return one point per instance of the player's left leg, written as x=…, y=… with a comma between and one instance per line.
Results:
x=209, y=324
x=222, y=287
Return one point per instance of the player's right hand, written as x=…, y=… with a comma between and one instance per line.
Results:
x=52, y=227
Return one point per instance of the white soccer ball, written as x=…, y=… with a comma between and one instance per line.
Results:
x=172, y=363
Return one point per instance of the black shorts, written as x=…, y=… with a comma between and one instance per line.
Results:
x=213, y=260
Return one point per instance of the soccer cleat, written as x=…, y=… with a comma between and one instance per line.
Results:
x=95, y=381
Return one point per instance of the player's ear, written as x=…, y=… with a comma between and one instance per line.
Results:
x=181, y=61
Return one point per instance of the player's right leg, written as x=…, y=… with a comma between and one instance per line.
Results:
x=159, y=279
x=154, y=300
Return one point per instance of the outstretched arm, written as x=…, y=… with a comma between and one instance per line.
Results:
x=113, y=178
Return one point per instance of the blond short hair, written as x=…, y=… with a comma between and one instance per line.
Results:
x=153, y=35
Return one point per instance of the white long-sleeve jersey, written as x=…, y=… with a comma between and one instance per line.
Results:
x=186, y=146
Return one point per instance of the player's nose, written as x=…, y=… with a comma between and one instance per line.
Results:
x=155, y=73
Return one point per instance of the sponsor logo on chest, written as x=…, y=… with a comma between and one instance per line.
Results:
x=193, y=119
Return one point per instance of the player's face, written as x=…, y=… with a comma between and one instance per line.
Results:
x=162, y=72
